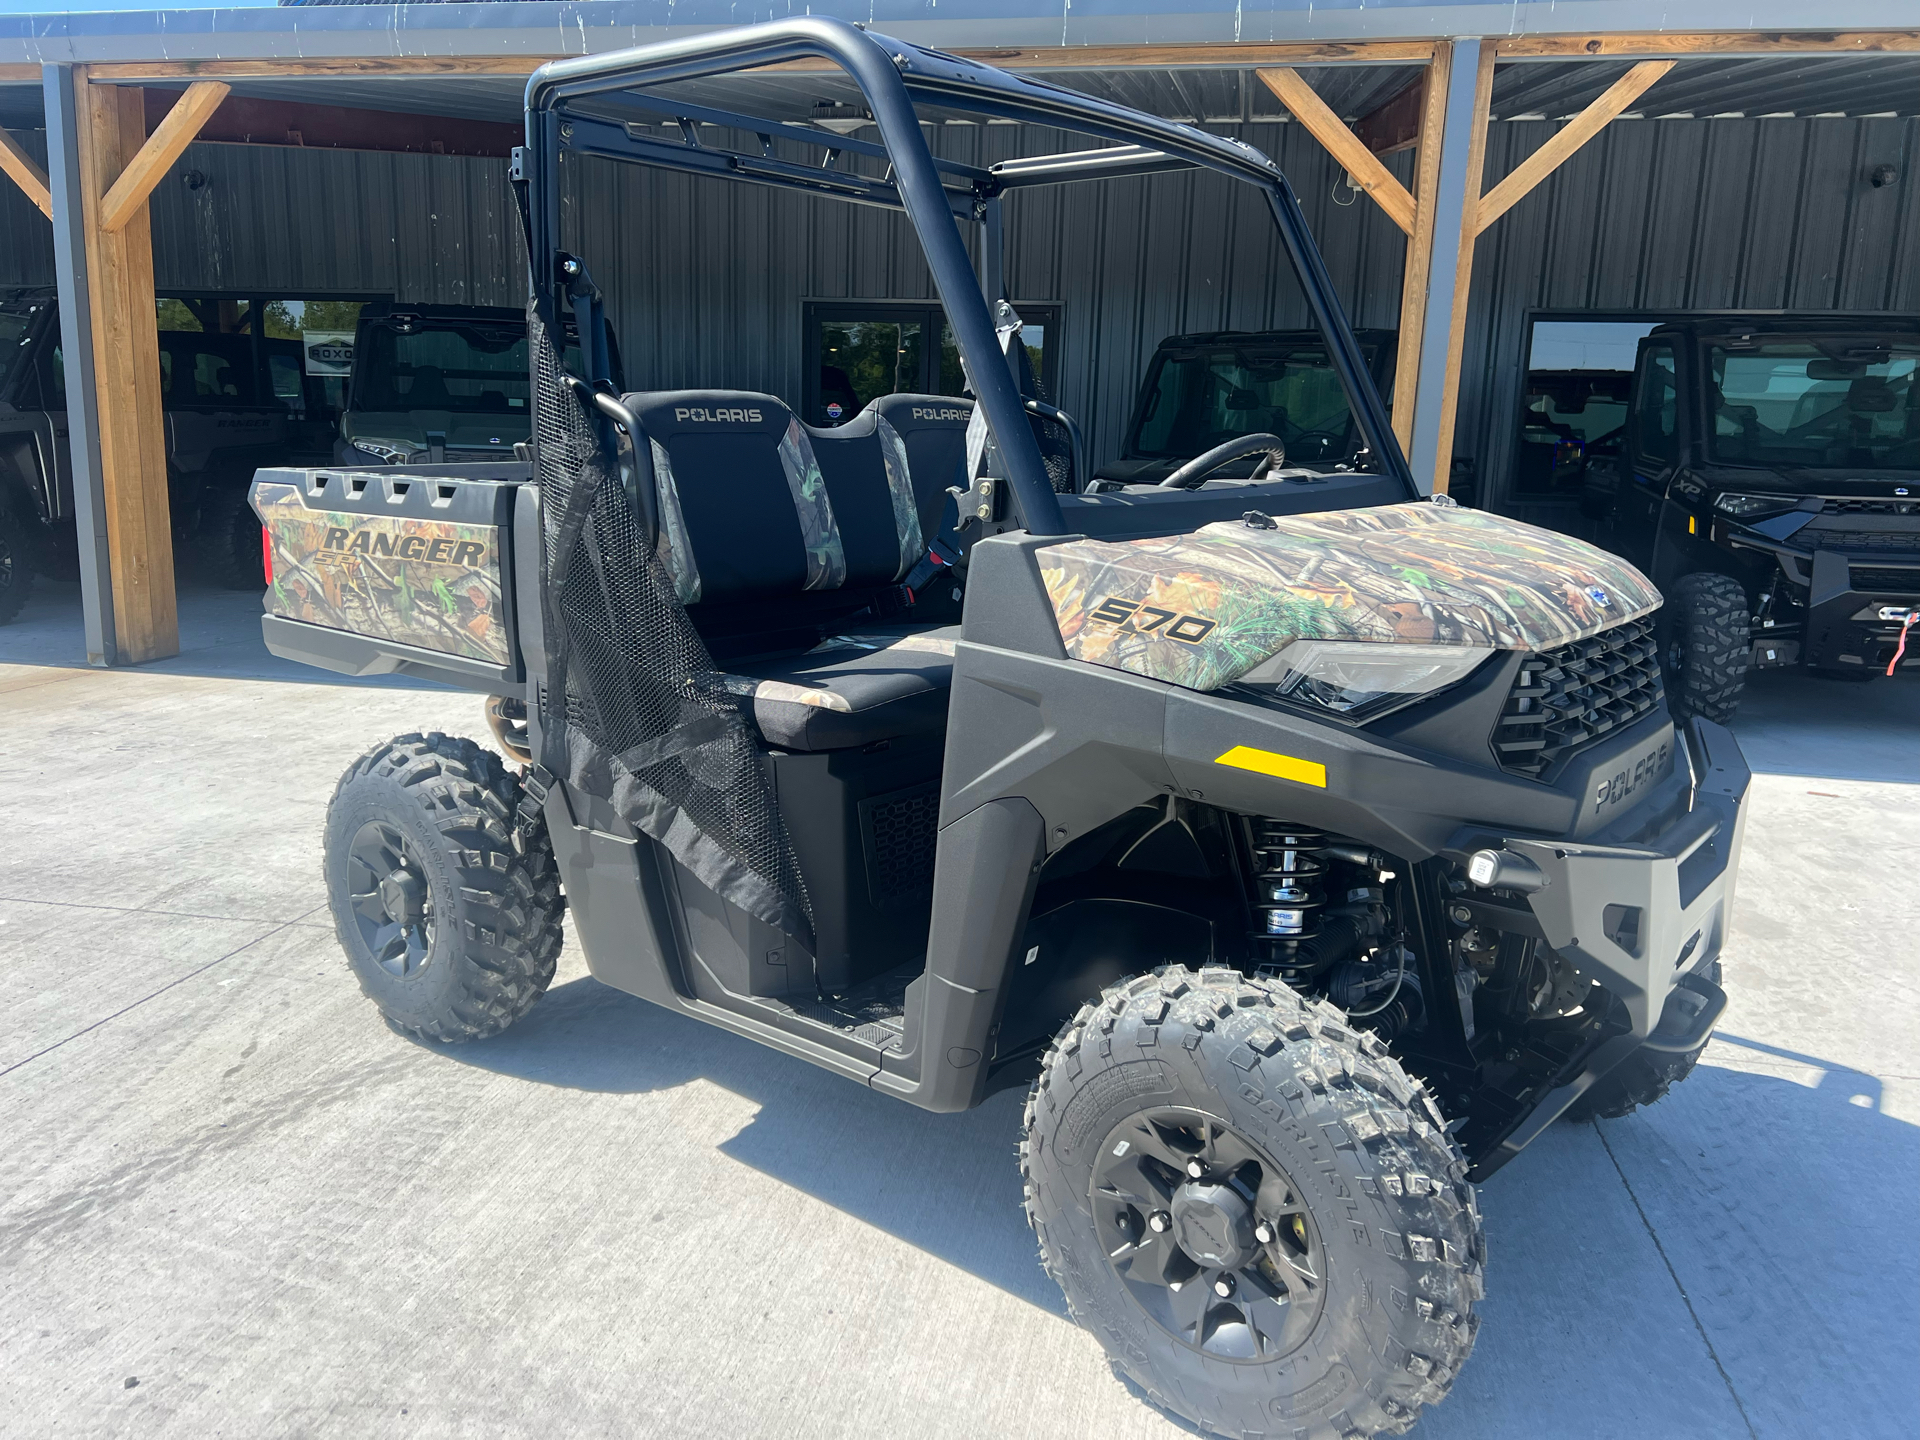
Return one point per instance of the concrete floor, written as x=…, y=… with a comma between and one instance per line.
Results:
x=232, y=1203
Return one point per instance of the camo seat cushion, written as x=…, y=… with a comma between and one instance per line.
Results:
x=877, y=683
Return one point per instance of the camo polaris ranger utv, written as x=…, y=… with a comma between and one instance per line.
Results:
x=1306, y=847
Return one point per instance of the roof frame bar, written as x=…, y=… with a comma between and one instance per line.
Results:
x=890, y=77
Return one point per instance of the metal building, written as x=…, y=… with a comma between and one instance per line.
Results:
x=1610, y=170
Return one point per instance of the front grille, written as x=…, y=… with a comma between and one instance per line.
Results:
x=1867, y=539
x=1566, y=698
x=1850, y=506
x=1874, y=579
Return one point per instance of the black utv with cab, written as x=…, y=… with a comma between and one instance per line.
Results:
x=440, y=384
x=1303, y=847
x=1768, y=481
x=230, y=403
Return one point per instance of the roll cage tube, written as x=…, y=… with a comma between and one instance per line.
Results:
x=890, y=74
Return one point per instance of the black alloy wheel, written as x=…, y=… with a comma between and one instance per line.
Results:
x=392, y=905
x=1209, y=1236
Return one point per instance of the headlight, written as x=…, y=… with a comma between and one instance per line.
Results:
x=1357, y=679
x=393, y=452
x=1754, y=507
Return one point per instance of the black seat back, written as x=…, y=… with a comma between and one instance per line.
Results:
x=744, y=514
x=872, y=503
x=933, y=429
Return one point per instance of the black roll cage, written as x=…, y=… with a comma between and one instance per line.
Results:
x=589, y=105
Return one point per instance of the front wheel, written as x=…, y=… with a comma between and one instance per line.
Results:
x=448, y=911
x=16, y=564
x=1707, y=644
x=1254, y=1208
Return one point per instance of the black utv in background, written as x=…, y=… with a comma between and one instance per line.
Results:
x=230, y=404
x=438, y=383
x=1204, y=391
x=1769, y=482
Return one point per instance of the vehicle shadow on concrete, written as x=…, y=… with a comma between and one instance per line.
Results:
x=219, y=638
x=1793, y=723
x=1584, y=1302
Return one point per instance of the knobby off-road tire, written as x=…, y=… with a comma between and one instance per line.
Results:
x=1642, y=1078
x=229, y=539
x=16, y=563
x=1707, y=644
x=1284, y=1106
x=450, y=919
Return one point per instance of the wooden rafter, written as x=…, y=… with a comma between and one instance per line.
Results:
x=1340, y=142
x=167, y=143
x=1068, y=57
x=1773, y=42
x=1577, y=132
x=25, y=173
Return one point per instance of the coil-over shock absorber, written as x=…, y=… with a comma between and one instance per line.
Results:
x=1290, y=867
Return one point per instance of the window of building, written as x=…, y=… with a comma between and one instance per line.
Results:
x=857, y=351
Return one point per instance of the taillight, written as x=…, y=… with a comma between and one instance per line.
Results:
x=266, y=553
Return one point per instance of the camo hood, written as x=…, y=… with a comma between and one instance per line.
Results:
x=1201, y=610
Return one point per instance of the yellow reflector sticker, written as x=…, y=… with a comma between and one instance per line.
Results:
x=1693, y=525
x=1282, y=767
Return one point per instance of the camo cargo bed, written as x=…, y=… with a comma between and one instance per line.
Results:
x=404, y=569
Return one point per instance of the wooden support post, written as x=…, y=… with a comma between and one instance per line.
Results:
x=1340, y=142
x=1463, y=268
x=1419, y=267
x=25, y=173
x=126, y=351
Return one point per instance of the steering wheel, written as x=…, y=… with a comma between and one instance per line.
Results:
x=1196, y=470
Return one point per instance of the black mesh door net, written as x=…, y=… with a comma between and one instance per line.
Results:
x=633, y=711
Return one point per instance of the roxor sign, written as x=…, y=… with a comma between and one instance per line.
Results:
x=328, y=352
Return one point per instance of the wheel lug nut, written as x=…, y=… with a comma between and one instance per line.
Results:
x=1196, y=1168
x=1223, y=1287
x=1159, y=1222
x=1263, y=1232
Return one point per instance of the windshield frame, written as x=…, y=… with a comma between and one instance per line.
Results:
x=576, y=105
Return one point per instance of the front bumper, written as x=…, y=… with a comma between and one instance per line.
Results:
x=1645, y=920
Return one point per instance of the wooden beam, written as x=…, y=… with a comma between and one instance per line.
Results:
x=1418, y=271
x=1575, y=133
x=169, y=141
x=1328, y=128
x=1773, y=42
x=19, y=74
x=1463, y=269
x=1395, y=126
x=244, y=120
x=26, y=173
x=126, y=357
x=1066, y=57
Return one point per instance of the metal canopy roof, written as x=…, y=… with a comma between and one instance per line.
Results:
x=1828, y=85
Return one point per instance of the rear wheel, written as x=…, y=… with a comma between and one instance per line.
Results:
x=229, y=539
x=16, y=564
x=1706, y=647
x=449, y=913
x=1253, y=1207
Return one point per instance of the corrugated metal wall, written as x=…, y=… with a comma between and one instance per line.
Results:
x=1657, y=216
x=708, y=279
